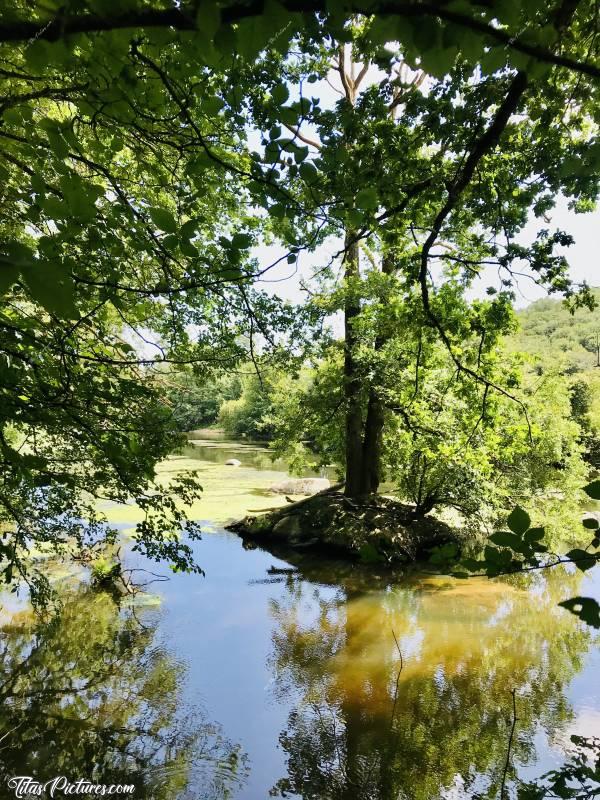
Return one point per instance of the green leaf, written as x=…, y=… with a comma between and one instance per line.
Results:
x=591, y=523
x=188, y=229
x=280, y=93
x=288, y=115
x=534, y=535
x=366, y=198
x=241, y=241
x=492, y=554
x=208, y=18
x=163, y=219
x=586, y=608
x=518, y=521
x=57, y=143
x=51, y=285
x=439, y=61
x=582, y=559
x=593, y=490
x=507, y=539
x=355, y=218
x=212, y=105
x=171, y=242
x=188, y=249
x=308, y=172
x=277, y=211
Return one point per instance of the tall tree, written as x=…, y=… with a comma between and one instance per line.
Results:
x=131, y=197
x=425, y=172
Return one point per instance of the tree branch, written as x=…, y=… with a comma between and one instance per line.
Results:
x=184, y=18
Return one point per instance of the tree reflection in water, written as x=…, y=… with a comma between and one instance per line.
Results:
x=444, y=732
x=92, y=695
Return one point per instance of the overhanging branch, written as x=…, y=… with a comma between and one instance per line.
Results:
x=184, y=19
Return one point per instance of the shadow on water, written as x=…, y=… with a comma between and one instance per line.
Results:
x=93, y=695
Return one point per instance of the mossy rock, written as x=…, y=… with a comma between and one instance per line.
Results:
x=373, y=529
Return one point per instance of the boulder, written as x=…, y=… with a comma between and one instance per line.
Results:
x=233, y=462
x=303, y=486
x=288, y=528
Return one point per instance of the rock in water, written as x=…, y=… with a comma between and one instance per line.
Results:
x=288, y=528
x=233, y=462
x=303, y=486
x=374, y=529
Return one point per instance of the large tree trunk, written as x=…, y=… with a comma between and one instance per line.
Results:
x=352, y=380
x=373, y=438
x=364, y=439
x=363, y=434
x=371, y=450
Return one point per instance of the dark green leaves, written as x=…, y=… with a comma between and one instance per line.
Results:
x=518, y=521
x=593, y=490
x=366, y=199
x=163, y=219
x=14, y=256
x=581, y=558
x=280, y=93
x=586, y=608
x=51, y=285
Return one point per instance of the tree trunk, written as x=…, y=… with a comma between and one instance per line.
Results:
x=371, y=451
x=363, y=436
x=373, y=442
x=352, y=379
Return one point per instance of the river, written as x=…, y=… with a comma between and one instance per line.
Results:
x=313, y=680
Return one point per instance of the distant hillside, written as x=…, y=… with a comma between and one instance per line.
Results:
x=551, y=333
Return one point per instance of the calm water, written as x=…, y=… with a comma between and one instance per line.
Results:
x=319, y=681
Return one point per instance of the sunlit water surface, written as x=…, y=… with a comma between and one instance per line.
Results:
x=310, y=680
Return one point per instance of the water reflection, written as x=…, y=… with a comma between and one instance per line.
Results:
x=440, y=729
x=93, y=695
x=218, y=452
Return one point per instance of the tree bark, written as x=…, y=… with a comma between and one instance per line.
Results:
x=373, y=442
x=352, y=379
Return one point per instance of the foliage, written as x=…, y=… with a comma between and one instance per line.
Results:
x=106, y=198
x=133, y=194
x=252, y=414
x=466, y=177
x=195, y=400
x=522, y=549
x=441, y=449
x=554, y=336
x=578, y=779
x=557, y=340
